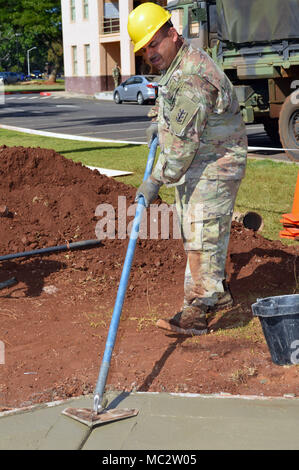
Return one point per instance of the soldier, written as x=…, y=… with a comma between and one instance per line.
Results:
x=203, y=154
x=116, y=75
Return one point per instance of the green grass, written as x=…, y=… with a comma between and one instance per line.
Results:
x=268, y=187
x=34, y=86
x=248, y=331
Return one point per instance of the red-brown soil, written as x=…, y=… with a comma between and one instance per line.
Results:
x=55, y=320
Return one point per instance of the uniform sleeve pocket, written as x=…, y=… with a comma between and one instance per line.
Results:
x=182, y=114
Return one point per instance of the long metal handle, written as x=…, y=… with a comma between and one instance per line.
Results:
x=99, y=390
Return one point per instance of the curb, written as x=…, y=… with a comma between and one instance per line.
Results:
x=108, y=96
x=67, y=136
x=28, y=92
x=21, y=92
x=94, y=139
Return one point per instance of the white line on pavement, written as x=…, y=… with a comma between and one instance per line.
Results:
x=67, y=106
x=12, y=110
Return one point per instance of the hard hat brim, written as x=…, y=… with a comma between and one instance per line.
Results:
x=150, y=35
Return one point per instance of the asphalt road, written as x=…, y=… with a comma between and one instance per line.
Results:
x=61, y=113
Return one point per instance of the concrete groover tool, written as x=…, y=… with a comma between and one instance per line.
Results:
x=99, y=415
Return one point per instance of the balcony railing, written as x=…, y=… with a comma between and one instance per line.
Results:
x=110, y=26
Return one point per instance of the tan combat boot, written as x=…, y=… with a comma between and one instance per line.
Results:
x=224, y=301
x=190, y=321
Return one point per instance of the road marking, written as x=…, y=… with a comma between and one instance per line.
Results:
x=256, y=126
x=13, y=110
x=67, y=106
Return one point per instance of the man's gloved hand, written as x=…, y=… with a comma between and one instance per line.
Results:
x=149, y=189
x=151, y=132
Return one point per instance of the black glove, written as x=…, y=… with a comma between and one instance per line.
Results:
x=151, y=133
x=149, y=189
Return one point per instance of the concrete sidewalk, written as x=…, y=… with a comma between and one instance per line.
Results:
x=164, y=422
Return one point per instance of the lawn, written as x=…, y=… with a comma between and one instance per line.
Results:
x=35, y=85
x=268, y=187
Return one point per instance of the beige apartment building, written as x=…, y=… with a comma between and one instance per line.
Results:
x=95, y=38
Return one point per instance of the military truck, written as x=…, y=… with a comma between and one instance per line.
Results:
x=256, y=43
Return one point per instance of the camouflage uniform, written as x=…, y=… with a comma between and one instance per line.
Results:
x=116, y=75
x=203, y=154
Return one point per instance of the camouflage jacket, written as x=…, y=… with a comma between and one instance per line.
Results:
x=201, y=131
x=116, y=72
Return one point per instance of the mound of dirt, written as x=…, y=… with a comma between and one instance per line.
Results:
x=55, y=320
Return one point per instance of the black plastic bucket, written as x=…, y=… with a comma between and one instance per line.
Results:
x=279, y=317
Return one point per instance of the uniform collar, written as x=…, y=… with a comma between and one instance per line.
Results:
x=174, y=64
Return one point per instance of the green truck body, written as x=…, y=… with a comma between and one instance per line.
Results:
x=256, y=43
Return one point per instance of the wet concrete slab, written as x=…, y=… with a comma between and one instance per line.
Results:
x=164, y=422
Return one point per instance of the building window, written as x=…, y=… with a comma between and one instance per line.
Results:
x=110, y=22
x=87, y=58
x=75, y=60
x=85, y=9
x=73, y=10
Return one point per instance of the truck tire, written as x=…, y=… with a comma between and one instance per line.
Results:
x=289, y=126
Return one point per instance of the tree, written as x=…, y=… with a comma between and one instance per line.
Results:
x=36, y=23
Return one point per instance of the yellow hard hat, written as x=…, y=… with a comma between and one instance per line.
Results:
x=144, y=21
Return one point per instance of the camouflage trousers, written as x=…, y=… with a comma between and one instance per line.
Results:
x=205, y=209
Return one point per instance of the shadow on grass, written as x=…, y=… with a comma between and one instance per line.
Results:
x=104, y=147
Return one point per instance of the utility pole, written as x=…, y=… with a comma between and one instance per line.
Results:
x=28, y=61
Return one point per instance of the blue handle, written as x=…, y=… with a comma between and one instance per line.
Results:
x=99, y=390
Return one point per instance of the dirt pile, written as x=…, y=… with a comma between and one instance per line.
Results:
x=54, y=322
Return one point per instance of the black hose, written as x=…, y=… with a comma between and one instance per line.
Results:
x=8, y=283
x=51, y=249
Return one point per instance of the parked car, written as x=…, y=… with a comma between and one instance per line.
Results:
x=3, y=77
x=9, y=77
x=12, y=77
x=37, y=74
x=140, y=88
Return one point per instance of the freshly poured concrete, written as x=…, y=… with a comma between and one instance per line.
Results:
x=164, y=422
